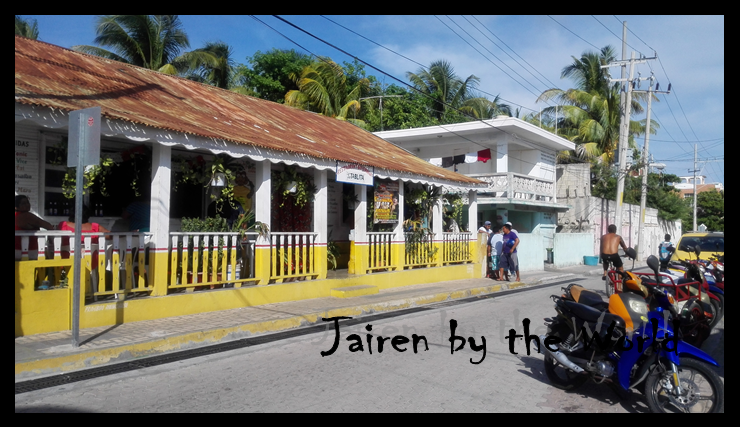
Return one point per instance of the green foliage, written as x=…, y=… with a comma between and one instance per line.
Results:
x=28, y=28
x=589, y=114
x=666, y=199
x=409, y=111
x=332, y=254
x=305, y=190
x=199, y=171
x=269, y=77
x=710, y=211
x=455, y=209
x=149, y=41
x=444, y=88
x=323, y=88
x=208, y=225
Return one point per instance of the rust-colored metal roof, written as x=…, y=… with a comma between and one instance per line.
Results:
x=52, y=76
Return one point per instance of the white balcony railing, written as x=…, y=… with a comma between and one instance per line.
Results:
x=517, y=186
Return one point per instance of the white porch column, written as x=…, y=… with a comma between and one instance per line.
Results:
x=438, y=229
x=263, y=192
x=361, y=214
x=399, y=240
x=262, y=203
x=477, y=249
x=473, y=212
x=159, y=223
x=358, y=251
x=320, y=221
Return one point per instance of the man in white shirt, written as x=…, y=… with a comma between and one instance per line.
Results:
x=486, y=228
x=495, y=242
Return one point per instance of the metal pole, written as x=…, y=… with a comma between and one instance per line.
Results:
x=623, y=104
x=623, y=143
x=640, y=240
x=694, y=229
x=78, y=248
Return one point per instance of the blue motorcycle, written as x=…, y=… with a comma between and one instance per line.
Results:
x=629, y=343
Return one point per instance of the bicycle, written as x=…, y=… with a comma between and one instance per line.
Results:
x=611, y=284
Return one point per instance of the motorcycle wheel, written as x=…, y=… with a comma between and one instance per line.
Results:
x=719, y=309
x=702, y=389
x=695, y=326
x=560, y=376
x=609, y=286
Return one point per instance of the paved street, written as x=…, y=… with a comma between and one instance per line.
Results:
x=292, y=376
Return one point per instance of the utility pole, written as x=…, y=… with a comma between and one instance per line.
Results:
x=624, y=130
x=646, y=166
x=695, y=170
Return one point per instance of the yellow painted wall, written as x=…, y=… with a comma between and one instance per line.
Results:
x=48, y=311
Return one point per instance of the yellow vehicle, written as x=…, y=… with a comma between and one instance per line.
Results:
x=709, y=244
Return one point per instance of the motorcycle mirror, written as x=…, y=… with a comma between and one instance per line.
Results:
x=653, y=263
x=697, y=251
x=631, y=252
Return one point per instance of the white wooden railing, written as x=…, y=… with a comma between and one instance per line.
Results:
x=200, y=260
x=292, y=256
x=456, y=247
x=380, y=251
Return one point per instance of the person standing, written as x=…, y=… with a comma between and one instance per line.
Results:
x=610, y=243
x=665, y=250
x=512, y=228
x=495, y=244
x=486, y=228
x=508, y=258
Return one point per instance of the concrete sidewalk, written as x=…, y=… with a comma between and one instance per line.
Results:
x=52, y=353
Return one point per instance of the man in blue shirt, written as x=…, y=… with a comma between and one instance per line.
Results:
x=508, y=257
x=666, y=250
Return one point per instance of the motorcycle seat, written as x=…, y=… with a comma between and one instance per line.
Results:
x=592, y=299
x=592, y=315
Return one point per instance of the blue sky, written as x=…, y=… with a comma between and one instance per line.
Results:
x=515, y=57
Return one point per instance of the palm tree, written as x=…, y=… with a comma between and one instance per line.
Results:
x=26, y=27
x=216, y=68
x=484, y=108
x=441, y=84
x=149, y=41
x=589, y=114
x=322, y=88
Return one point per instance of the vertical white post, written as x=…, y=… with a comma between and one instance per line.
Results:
x=263, y=196
x=320, y=207
x=473, y=213
x=361, y=214
x=159, y=223
x=320, y=224
x=437, y=220
x=399, y=225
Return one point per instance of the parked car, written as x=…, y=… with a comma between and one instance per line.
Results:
x=708, y=243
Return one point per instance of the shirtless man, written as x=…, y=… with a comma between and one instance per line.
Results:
x=610, y=243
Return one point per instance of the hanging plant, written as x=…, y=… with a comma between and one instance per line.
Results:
x=92, y=175
x=291, y=183
x=222, y=168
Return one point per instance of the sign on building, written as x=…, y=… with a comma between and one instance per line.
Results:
x=354, y=173
x=386, y=203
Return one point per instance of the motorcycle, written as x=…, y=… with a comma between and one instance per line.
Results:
x=712, y=295
x=638, y=349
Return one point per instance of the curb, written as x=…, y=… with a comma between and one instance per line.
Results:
x=93, y=358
